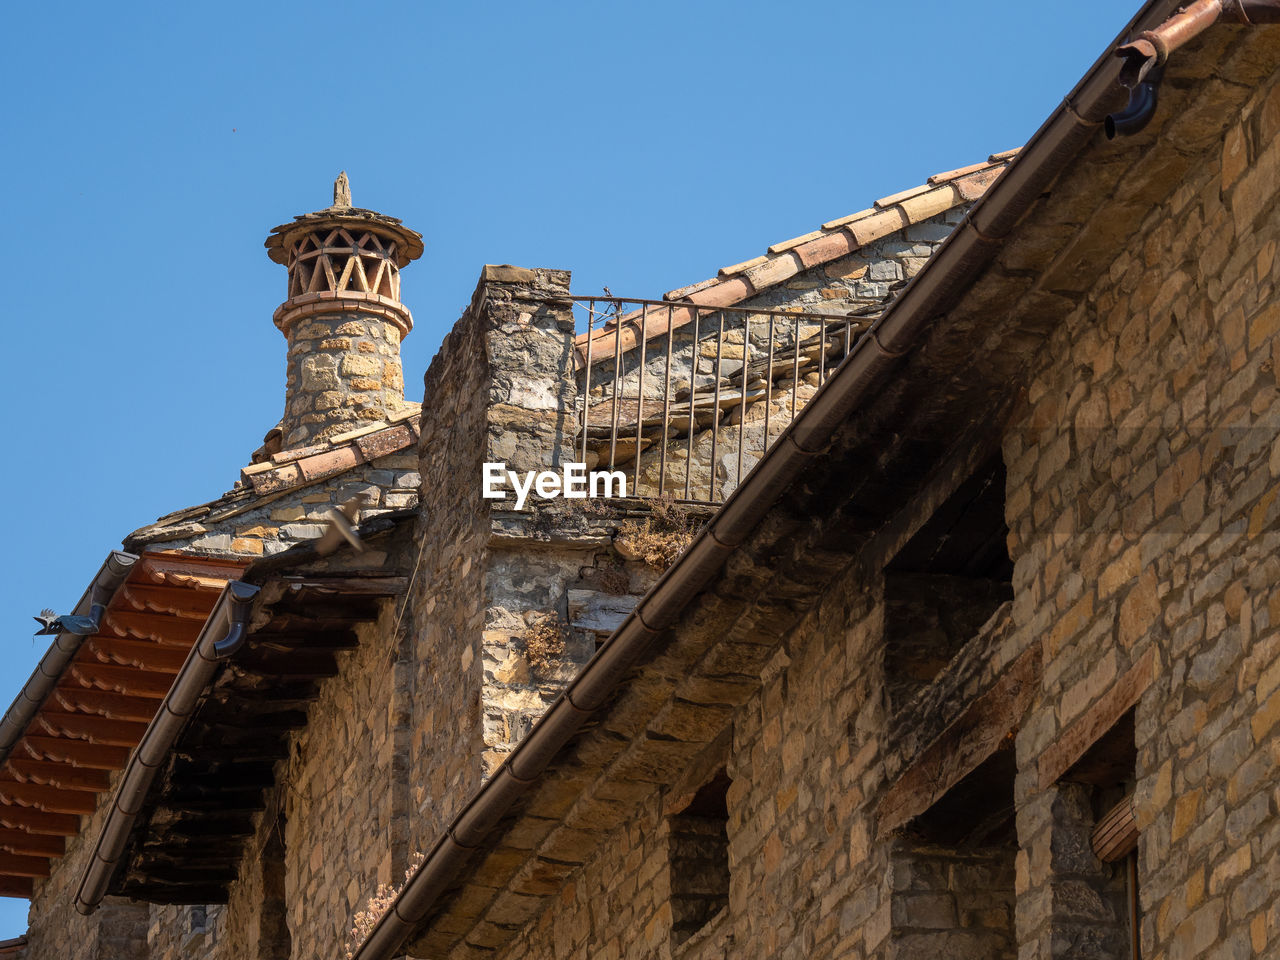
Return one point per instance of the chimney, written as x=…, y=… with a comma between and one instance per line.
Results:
x=343, y=318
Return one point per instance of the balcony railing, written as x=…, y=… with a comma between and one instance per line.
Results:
x=686, y=399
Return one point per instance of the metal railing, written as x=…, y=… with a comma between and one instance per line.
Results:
x=686, y=399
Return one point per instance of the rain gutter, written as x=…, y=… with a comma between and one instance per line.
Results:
x=947, y=275
x=110, y=576
x=223, y=633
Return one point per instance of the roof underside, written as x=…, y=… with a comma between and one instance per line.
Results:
x=186, y=845
x=108, y=693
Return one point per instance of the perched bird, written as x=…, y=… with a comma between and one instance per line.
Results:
x=81, y=626
x=341, y=529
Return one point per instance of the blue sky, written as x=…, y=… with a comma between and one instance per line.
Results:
x=148, y=149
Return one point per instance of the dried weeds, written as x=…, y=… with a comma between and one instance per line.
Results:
x=659, y=538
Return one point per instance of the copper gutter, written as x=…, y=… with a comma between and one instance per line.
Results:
x=110, y=576
x=969, y=249
x=1151, y=48
x=224, y=632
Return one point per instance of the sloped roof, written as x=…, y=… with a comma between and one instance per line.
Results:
x=834, y=239
x=101, y=701
x=285, y=471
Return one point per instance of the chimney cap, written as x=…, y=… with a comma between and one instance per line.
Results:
x=342, y=215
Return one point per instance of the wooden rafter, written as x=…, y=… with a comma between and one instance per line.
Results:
x=12, y=865
x=48, y=799
x=16, y=887
x=38, y=821
x=167, y=630
x=66, y=750
x=113, y=706
x=94, y=730
x=129, y=681
x=26, y=844
x=61, y=775
x=145, y=655
x=183, y=603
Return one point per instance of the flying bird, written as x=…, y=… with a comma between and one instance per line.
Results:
x=81, y=626
x=341, y=529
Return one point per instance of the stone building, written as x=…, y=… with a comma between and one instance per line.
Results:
x=970, y=652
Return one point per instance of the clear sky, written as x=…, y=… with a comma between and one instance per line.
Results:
x=148, y=149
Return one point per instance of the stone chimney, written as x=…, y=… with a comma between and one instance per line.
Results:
x=343, y=318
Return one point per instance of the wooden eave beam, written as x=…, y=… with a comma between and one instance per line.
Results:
x=113, y=706
x=129, y=681
x=183, y=603
x=61, y=775
x=12, y=865
x=151, y=626
x=48, y=799
x=38, y=821
x=94, y=730
x=75, y=751
x=143, y=654
x=16, y=887
x=26, y=844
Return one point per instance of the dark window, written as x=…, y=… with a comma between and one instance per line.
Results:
x=699, y=859
x=945, y=583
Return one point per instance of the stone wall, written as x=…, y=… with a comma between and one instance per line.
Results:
x=343, y=370
x=858, y=285
x=116, y=931
x=1143, y=517
x=1145, y=532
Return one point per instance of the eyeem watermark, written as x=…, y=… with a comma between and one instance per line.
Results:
x=573, y=482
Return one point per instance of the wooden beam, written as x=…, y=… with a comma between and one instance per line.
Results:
x=1074, y=742
x=16, y=887
x=183, y=603
x=151, y=626
x=143, y=654
x=970, y=739
x=78, y=752
x=129, y=681
x=48, y=799
x=37, y=821
x=61, y=775
x=350, y=586
x=95, y=730
x=31, y=845
x=113, y=706
x=15, y=866
x=295, y=665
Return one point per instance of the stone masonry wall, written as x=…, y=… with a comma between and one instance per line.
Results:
x=859, y=284
x=116, y=931
x=343, y=370
x=1145, y=530
x=344, y=828
x=1143, y=518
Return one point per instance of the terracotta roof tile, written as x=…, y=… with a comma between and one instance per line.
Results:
x=827, y=247
x=834, y=224
x=837, y=238
x=740, y=267
x=950, y=175
x=679, y=293
x=893, y=198
x=794, y=242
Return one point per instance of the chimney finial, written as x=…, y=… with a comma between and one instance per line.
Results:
x=342, y=191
